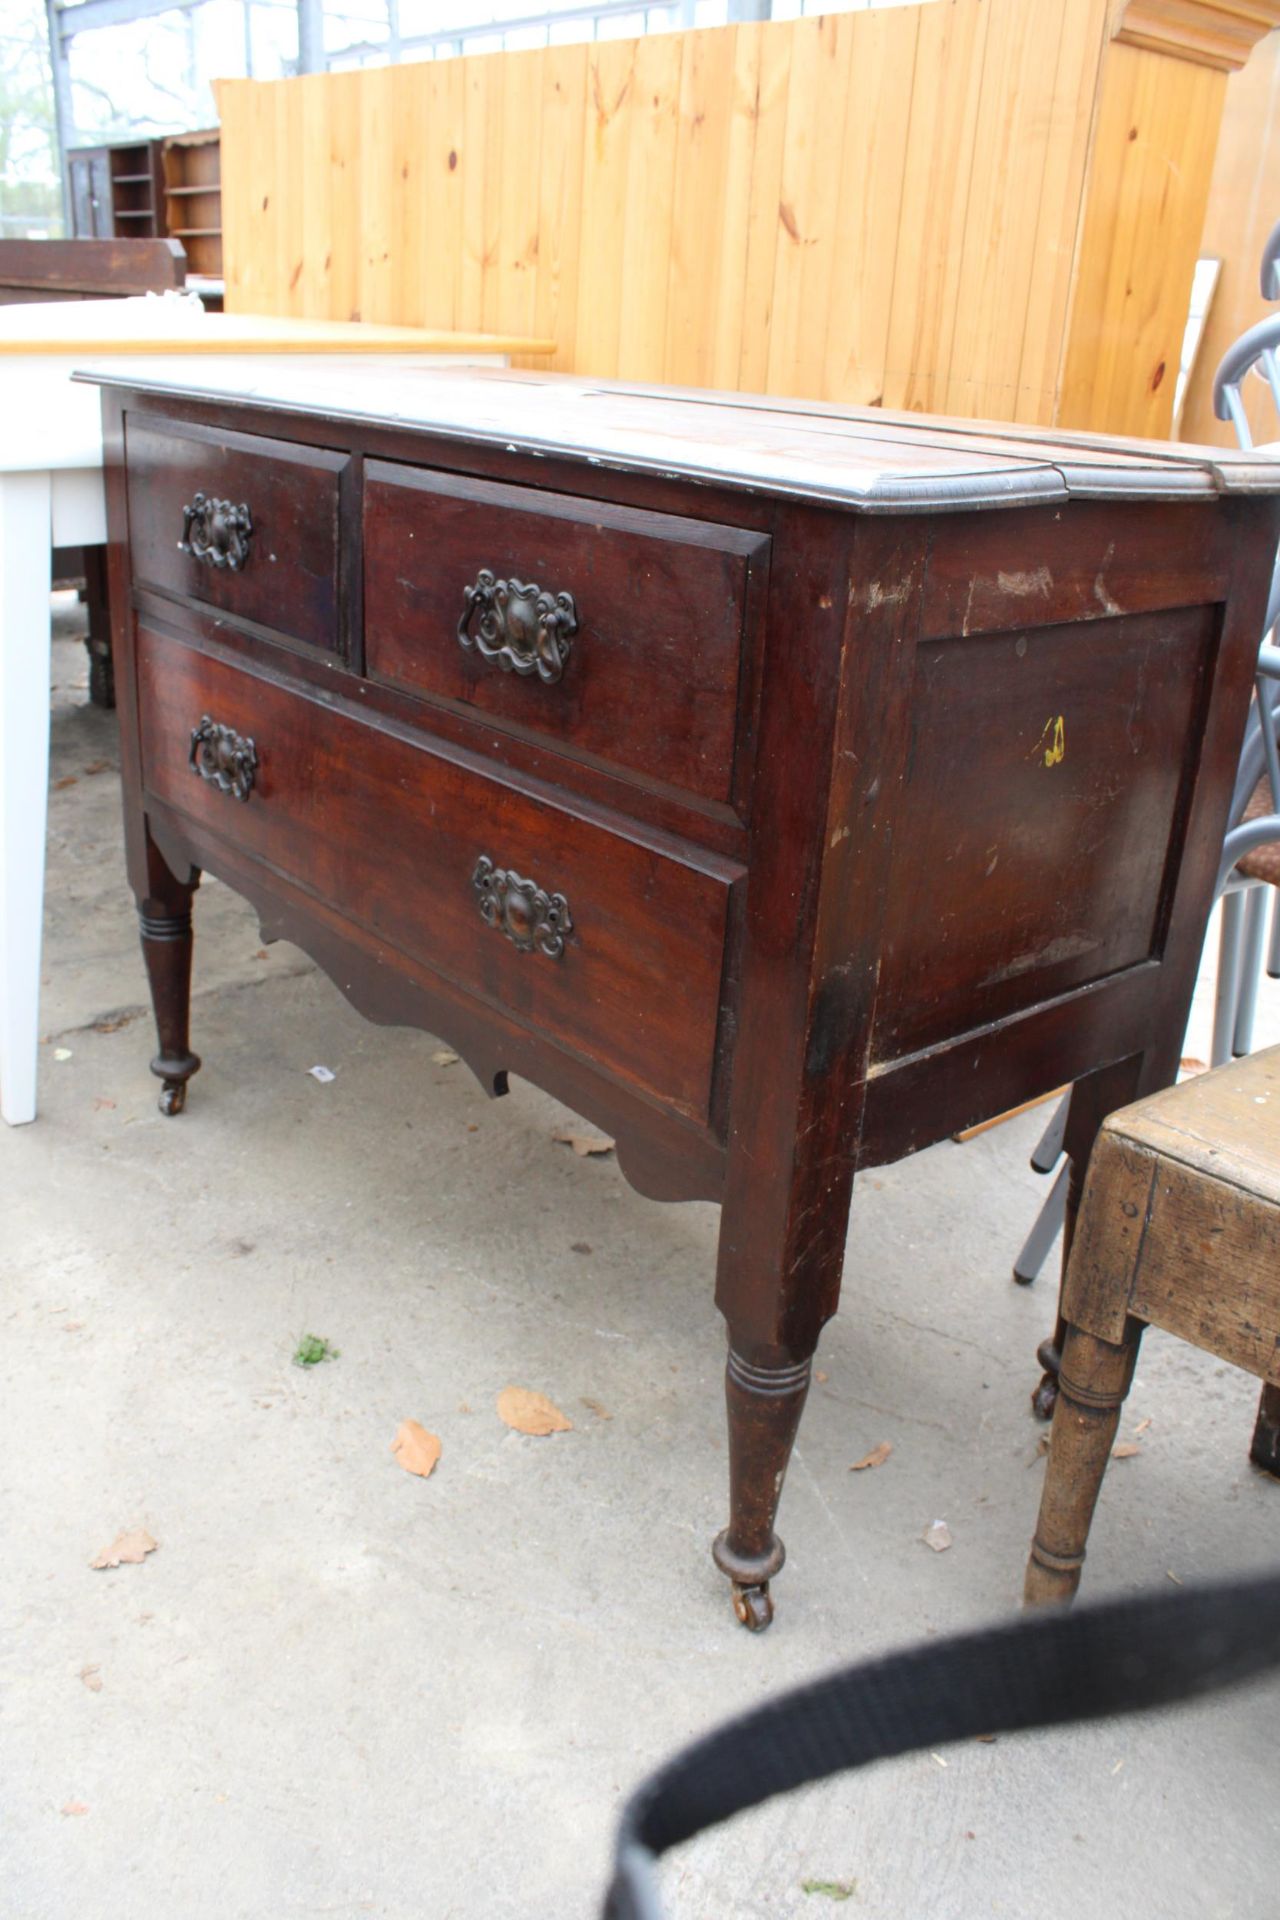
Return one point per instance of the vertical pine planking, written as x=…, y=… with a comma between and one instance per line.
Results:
x=410, y=197
x=653, y=107
x=773, y=46
x=315, y=284
x=1002, y=210
x=563, y=113
x=809, y=202
x=1148, y=182
x=944, y=205
x=510, y=297
x=941, y=138
x=441, y=89
x=1053, y=257
x=288, y=200
x=344, y=167
x=602, y=237
x=725, y=357
x=378, y=193
x=697, y=297
x=873, y=167
x=472, y=156
x=237, y=102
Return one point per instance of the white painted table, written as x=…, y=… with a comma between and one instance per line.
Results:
x=51, y=494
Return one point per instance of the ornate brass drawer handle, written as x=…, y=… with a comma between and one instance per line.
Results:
x=530, y=918
x=217, y=532
x=524, y=628
x=225, y=758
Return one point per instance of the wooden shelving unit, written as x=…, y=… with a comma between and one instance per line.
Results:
x=192, y=167
x=117, y=192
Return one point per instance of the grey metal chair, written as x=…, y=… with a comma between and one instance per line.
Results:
x=1270, y=275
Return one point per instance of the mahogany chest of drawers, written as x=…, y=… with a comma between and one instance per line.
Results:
x=782, y=788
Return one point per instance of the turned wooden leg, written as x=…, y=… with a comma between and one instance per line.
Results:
x=166, y=947
x=102, y=681
x=1093, y=1381
x=1092, y=1099
x=765, y=1404
x=1265, y=1450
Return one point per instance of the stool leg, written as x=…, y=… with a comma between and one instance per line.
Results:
x=1092, y=1099
x=1265, y=1450
x=1092, y=1384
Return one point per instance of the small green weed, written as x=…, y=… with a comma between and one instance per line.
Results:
x=311, y=1350
x=833, y=1889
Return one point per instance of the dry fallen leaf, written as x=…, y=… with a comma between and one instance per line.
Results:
x=72, y=1326
x=585, y=1143
x=97, y=766
x=937, y=1535
x=67, y=780
x=443, y=1058
x=1142, y=1426
x=1126, y=1450
x=126, y=1550
x=876, y=1457
x=417, y=1450
x=593, y=1406
x=821, y=1377
x=1188, y=1066
x=100, y=1101
x=73, y=1807
x=530, y=1412
x=581, y=1246
x=92, y=1677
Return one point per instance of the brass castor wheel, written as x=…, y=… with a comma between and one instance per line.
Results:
x=753, y=1606
x=173, y=1070
x=173, y=1097
x=1045, y=1398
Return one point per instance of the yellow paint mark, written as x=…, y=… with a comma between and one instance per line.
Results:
x=1053, y=742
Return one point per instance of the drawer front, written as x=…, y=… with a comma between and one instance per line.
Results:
x=616, y=633
x=609, y=946
x=233, y=521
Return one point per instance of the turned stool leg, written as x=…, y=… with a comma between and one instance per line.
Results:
x=764, y=1404
x=166, y=948
x=1093, y=1381
x=1265, y=1450
x=1092, y=1099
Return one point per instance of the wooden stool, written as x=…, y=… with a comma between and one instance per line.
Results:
x=1179, y=1228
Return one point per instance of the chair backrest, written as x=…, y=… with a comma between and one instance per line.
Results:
x=1271, y=265
x=1257, y=347
x=88, y=269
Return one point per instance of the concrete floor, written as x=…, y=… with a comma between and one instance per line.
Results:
x=336, y=1689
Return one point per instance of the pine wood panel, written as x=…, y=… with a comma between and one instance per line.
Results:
x=1154, y=146
x=1244, y=204
x=933, y=207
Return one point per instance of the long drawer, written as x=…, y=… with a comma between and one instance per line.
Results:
x=237, y=522
x=606, y=943
x=622, y=635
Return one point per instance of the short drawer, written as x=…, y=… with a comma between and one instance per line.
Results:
x=607, y=944
x=618, y=634
x=237, y=522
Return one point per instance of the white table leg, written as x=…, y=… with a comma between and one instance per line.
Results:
x=25, y=537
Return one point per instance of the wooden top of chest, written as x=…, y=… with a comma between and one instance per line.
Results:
x=867, y=459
